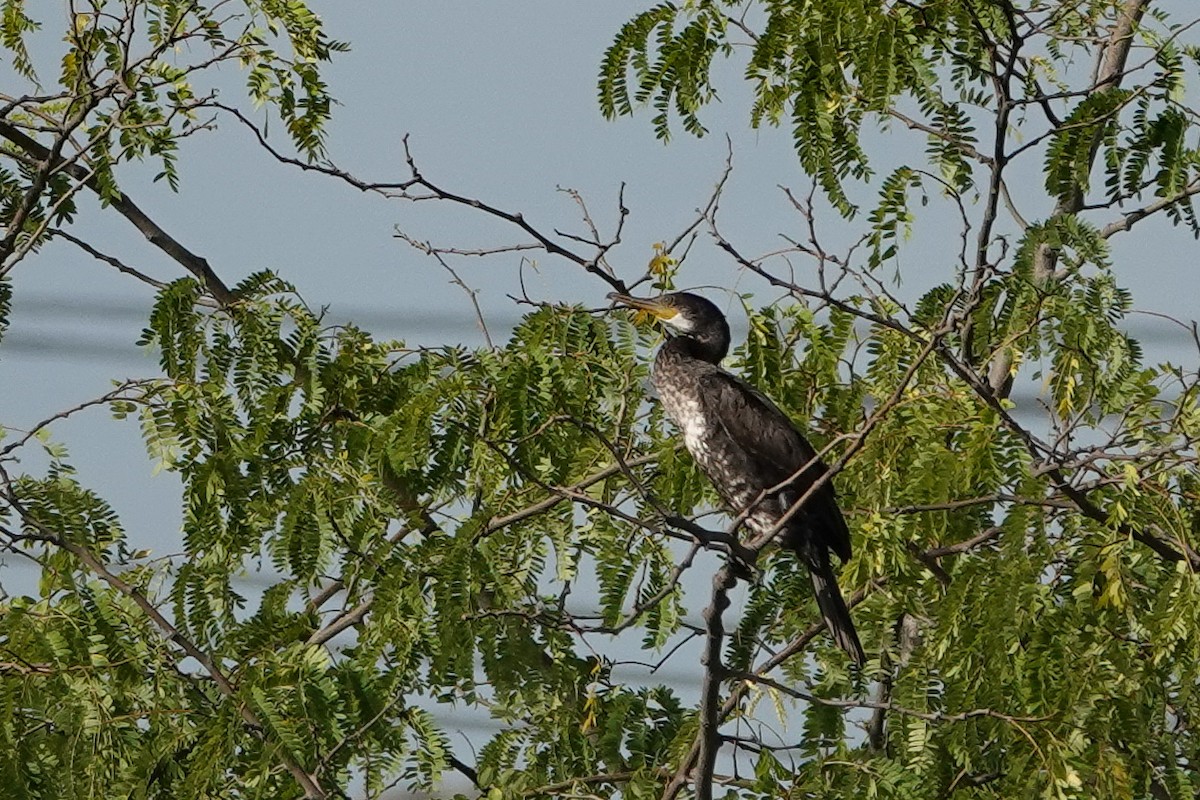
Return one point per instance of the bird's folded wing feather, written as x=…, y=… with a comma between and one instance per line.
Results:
x=777, y=449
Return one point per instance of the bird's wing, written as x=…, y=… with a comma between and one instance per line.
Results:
x=777, y=449
x=766, y=433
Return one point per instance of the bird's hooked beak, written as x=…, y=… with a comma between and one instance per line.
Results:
x=655, y=307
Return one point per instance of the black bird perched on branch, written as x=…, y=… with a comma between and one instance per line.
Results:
x=753, y=454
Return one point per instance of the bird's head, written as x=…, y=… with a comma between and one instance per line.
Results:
x=687, y=315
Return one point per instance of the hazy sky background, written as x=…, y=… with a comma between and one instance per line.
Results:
x=499, y=101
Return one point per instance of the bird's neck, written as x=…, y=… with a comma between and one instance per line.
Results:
x=710, y=346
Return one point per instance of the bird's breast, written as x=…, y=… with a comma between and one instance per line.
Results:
x=696, y=430
x=705, y=438
x=722, y=459
x=687, y=412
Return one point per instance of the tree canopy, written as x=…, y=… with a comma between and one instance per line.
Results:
x=514, y=531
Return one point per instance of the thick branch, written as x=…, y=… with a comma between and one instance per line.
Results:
x=127, y=208
x=1131, y=218
x=714, y=675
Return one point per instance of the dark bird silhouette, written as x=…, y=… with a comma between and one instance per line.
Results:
x=748, y=447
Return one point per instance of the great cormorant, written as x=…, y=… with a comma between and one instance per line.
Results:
x=747, y=446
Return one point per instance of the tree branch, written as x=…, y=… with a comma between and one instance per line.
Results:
x=119, y=393
x=130, y=210
x=112, y=261
x=591, y=265
x=714, y=675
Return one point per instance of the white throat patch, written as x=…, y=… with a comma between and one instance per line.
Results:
x=681, y=322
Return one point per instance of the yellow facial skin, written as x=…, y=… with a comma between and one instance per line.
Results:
x=651, y=308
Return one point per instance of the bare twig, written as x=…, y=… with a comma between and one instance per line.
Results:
x=591, y=265
x=129, y=390
x=107, y=259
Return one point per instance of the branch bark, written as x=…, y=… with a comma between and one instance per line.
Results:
x=714, y=676
x=125, y=206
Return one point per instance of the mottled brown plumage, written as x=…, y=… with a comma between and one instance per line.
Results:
x=746, y=446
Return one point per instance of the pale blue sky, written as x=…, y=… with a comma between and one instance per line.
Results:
x=499, y=100
x=499, y=103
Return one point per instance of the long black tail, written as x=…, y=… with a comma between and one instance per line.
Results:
x=833, y=607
